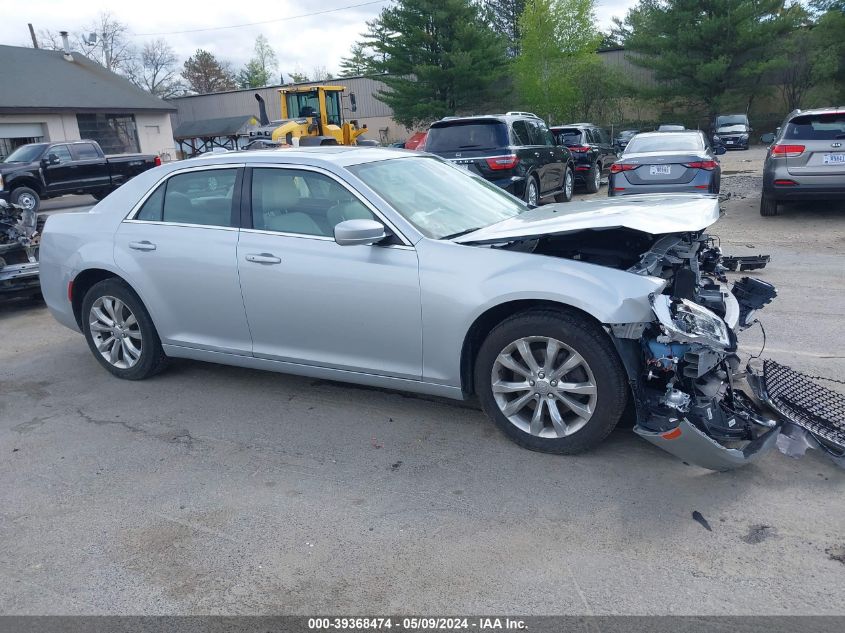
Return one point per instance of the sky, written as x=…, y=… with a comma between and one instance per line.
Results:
x=301, y=43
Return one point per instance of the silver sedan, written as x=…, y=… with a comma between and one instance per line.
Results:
x=396, y=269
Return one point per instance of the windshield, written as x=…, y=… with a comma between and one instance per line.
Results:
x=440, y=200
x=476, y=135
x=665, y=143
x=731, y=119
x=626, y=134
x=26, y=153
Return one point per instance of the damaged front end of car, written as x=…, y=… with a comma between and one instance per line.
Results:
x=19, y=239
x=692, y=395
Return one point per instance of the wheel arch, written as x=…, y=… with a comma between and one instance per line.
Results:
x=26, y=181
x=494, y=315
x=83, y=282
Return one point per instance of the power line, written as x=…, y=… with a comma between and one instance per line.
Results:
x=238, y=26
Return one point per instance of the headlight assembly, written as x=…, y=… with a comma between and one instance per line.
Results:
x=686, y=321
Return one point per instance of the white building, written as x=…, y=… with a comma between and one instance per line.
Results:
x=52, y=96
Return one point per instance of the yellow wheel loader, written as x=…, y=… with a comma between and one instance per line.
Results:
x=311, y=115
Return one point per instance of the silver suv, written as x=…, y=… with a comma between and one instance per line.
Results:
x=806, y=159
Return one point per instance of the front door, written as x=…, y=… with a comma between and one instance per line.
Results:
x=180, y=253
x=313, y=302
x=60, y=172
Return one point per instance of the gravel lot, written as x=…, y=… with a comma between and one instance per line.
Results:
x=212, y=489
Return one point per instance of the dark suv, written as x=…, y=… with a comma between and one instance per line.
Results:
x=515, y=151
x=591, y=149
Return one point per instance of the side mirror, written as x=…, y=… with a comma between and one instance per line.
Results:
x=767, y=139
x=719, y=149
x=52, y=159
x=355, y=232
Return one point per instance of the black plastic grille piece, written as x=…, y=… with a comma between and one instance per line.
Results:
x=806, y=403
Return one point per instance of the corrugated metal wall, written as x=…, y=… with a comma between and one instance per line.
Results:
x=242, y=102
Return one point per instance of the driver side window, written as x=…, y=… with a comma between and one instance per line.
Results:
x=61, y=152
x=302, y=202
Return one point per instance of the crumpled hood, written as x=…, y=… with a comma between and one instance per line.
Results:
x=655, y=214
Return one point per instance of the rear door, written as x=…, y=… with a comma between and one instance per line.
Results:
x=548, y=169
x=822, y=137
x=607, y=152
x=92, y=169
x=179, y=249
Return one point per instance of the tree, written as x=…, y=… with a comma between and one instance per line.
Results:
x=504, y=17
x=320, y=73
x=358, y=62
x=203, y=73
x=701, y=49
x=106, y=41
x=155, y=70
x=299, y=77
x=558, y=42
x=439, y=57
x=261, y=69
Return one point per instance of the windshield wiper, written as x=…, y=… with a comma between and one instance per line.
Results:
x=459, y=233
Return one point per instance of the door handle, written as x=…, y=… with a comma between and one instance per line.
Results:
x=263, y=258
x=142, y=246
x=537, y=154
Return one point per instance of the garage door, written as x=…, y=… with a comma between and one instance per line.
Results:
x=13, y=135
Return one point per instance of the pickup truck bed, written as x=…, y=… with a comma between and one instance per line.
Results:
x=39, y=171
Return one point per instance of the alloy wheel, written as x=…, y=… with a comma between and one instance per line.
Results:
x=532, y=192
x=544, y=387
x=27, y=201
x=598, y=177
x=115, y=331
x=568, y=184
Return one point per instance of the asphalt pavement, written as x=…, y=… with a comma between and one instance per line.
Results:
x=212, y=489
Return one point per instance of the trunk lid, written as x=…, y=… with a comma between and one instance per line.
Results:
x=658, y=168
x=655, y=214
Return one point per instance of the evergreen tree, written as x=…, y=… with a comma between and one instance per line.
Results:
x=203, y=73
x=504, y=17
x=439, y=57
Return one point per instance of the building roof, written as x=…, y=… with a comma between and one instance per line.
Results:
x=39, y=80
x=211, y=128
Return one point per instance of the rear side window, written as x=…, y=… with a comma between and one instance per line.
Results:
x=202, y=197
x=479, y=135
x=520, y=133
x=818, y=127
x=85, y=151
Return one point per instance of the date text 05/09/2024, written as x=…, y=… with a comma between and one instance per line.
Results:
x=416, y=623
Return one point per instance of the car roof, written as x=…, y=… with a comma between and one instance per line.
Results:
x=673, y=132
x=339, y=155
x=811, y=111
x=501, y=118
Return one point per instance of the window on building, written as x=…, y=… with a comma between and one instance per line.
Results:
x=116, y=133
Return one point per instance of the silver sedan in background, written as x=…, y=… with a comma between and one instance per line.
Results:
x=667, y=162
x=396, y=269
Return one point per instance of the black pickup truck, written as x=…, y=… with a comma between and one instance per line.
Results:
x=38, y=171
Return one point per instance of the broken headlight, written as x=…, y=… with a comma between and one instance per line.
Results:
x=684, y=320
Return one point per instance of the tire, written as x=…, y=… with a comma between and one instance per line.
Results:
x=99, y=195
x=532, y=191
x=568, y=186
x=26, y=197
x=594, y=179
x=151, y=358
x=600, y=371
x=768, y=206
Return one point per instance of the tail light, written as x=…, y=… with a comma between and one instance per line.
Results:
x=157, y=161
x=578, y=148
x=785, y=182
x=787, y=150
x=503, y=162
x=615, y=168
x=702, y=164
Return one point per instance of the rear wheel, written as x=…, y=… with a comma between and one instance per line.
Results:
x=532, y=191
x=594, y=178
x=768, y=205
x=550, y=381
x=567, y=186
x=120, y=332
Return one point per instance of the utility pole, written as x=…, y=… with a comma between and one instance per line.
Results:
x=32, y=35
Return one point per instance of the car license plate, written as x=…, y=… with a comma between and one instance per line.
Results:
x=463, y=166
x=834, y=159
x=729, y=142
x=660, y=170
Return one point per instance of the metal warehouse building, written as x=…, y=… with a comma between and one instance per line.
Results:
x=56, y=96
x=240, y=103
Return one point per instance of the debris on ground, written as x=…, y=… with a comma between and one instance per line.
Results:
x=836, y=553
x=698, y=517
x=759, y=533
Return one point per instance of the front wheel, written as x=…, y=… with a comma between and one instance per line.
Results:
x=568, y=186
x=26, y=198
x=532, y=191
x=120, y=332
x=594, y=179
x=550, y=381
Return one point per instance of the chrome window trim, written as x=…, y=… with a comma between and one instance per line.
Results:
x=342, y=183
x=184, y=224
x=130, y=217
x=306, y=236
